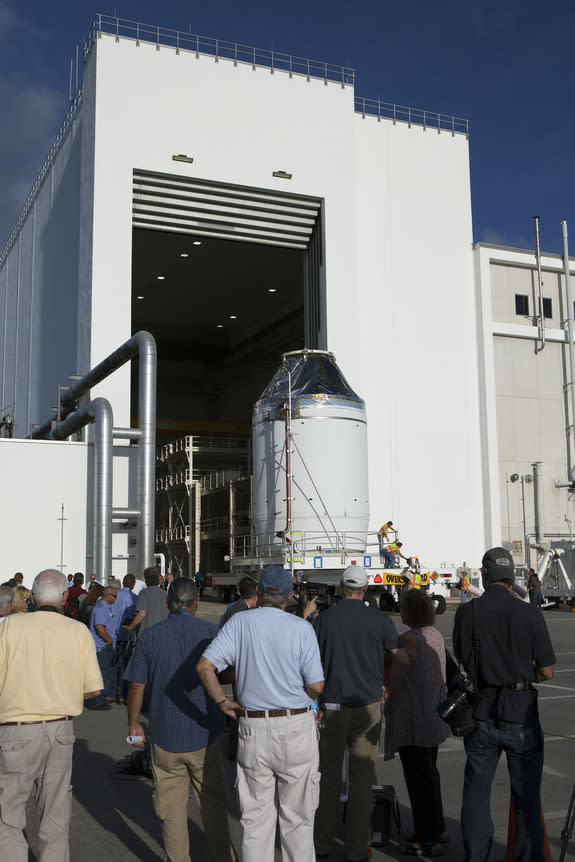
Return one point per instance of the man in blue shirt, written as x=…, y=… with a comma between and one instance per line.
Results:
x=185, y=725
x=124, y=611
x=278, y=673
x=103, y=628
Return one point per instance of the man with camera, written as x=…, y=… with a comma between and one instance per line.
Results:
x=504, y=646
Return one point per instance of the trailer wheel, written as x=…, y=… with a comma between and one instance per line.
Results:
x=386, y=602
x=440, y=604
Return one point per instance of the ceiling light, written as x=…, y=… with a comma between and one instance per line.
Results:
x=160, y=277
x=220, y=325
x=139, y=297
x=233, y=317
x=197, y=242
x=184, y=254
x=282, y=175
x=272, y=290
x=182, y=157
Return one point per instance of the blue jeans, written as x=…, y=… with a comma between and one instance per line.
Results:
x=388, y=560
x=523, y=745
x=107, y=661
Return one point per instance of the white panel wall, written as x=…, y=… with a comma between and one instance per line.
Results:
x=38, y=294
x=38, y=477
x=418, y=338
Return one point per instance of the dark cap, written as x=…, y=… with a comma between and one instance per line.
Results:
x=275, y=580
x=499, y=565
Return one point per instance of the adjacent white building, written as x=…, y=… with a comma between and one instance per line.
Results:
x=237, y=204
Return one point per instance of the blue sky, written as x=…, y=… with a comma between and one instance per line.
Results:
x=506, y=65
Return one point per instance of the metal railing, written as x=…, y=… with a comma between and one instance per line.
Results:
x=411, y=116
x=217, y=48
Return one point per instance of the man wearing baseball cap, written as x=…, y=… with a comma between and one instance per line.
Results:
x=278, y=674
x=353, y=640
x=514, y=651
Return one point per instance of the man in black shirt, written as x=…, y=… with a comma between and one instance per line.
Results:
x=514, y=652
x=353, y=639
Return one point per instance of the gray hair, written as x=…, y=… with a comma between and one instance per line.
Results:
x=183, y=593
x=49, y=587
x=272, y=600
x=6, y=597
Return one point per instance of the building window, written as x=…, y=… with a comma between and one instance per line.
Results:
x=547, y=307
x=522, y=304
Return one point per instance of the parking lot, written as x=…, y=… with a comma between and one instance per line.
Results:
x=113, y=816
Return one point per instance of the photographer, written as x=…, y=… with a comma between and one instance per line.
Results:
x=509, y=650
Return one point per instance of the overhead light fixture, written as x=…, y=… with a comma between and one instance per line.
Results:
x=182, y=157
x=282, y=175
x=161, y=277
x=272, y=290
x=220, y=325
x=233, y=317
x=184, y=254
x=139, y=297
x=197, y=242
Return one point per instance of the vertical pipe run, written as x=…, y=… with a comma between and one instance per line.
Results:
x=538, y=502
x=541, y=316
x=569, y=300
x=147, y=460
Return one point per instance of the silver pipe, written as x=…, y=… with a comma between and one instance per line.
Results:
x=121, y=514
x=99, y=411
x=141, y=343
x=146, y=498
x=127, y=433
x=569, y=299
x=538, y=501
x=541, y=317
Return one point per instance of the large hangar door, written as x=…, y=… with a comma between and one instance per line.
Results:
x=178, y=204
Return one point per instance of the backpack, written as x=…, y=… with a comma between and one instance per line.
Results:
x=72, y=608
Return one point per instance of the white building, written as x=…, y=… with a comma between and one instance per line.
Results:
x=324, y=220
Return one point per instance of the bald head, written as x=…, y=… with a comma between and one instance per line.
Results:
x=6, y=599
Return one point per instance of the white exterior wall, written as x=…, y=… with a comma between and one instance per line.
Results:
x=39, y=477
x=39, y=294
x=526, y=400
x=418, y=338
x=400, y=314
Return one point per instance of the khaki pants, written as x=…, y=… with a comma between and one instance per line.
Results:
x=358, y=729
x=173, y=773
x=278, y=779
x=39, y=757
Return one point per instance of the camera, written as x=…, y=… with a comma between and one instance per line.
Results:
x=457, y=708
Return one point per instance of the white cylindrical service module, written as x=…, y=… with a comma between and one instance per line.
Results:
x=310, y=476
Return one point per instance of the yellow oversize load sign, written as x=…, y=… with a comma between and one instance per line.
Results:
x=393, y=580
x=400, y=580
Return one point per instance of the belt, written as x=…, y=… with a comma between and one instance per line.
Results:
x=43, y=721
x=523, y=685
x=274, y=713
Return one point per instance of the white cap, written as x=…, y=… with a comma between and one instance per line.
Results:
x=354, y=577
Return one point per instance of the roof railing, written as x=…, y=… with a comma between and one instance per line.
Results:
x=216, y=48
x=411, y=116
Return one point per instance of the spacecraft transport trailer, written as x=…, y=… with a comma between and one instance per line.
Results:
x=310, y=507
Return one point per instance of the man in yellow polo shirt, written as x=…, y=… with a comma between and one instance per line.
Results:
x=48, y=666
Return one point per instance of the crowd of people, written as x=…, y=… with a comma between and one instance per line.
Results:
x=307, y=690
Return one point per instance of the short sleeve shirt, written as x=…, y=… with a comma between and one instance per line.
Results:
x=353, y=639
x=182, y=716
x=153, y=601
x=103, y=615
x=275, y=656
x=513, y=641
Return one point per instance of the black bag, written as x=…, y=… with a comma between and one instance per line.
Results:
x=384, y=814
